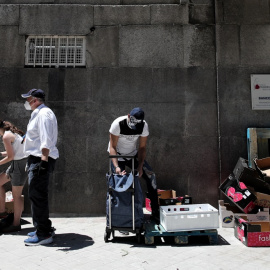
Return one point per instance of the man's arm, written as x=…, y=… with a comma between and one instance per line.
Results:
x=141, y=154
x=113, y=151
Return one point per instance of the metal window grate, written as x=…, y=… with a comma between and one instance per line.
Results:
x=55, y=51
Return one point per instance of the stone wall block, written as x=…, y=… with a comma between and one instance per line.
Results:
x=243, y=11
x=201, y=119
x=201, y=14
x=9, y=84
x=169, y=85
x=199, y=46
x=56, y=19
x=121, y=85
x=255, y=41
x=12, y=47
x=169, y=14
x=9, y=14
x=102, y=47
x=123, y=15
x=151, y=46
x=228, y=45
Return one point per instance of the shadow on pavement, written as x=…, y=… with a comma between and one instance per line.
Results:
x=158, y=241
x=71, y=241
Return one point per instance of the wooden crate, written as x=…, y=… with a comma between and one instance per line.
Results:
x=258, y=144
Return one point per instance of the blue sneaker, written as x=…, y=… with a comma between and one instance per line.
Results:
x=36, y=241
x=31, y=234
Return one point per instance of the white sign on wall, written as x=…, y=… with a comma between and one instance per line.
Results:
x=260, y=91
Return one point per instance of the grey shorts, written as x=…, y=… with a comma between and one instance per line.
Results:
x=16, y=172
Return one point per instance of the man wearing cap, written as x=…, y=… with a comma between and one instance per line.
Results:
x=40, y=146
x=128, y=136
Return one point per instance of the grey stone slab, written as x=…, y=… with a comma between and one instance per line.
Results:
x=34, y=78
x=151, y=46
x=236, y=116
x=166, y=120
x=255, y=41
x=84, y=190
x=9, y=15
x=202, y=2
x=201, y=119
x=201, y=84
x=124, y=15
x=234, y=83
x=201, y=193
x=199, y=46
x=149, y=2
x=201, y=14
x=12, y=47
x=9, y=84
x=121, y=85
x=169, y=85
x=102, y=47
x=69, y=84
x=228, y=45
x=169, y=14
x=243, y=11
x=56, y=19
x=231, y=148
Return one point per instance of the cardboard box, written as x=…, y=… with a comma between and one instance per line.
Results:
x=252, y=234
x=175, y=218
x=242, y=170
x=9, y=206
x=227, y=213
x=263, y=168
x=238, y=193
x=166, y=194
x=262, y=199
x=162, y=194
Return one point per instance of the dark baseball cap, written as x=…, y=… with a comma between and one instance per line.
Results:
x=136, y=117
x=38, y=93
x=138, y=113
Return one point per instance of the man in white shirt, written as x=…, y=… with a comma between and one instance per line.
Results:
x=40, y=146
x=128, y=136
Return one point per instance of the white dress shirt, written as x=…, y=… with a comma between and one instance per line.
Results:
x=42, y=132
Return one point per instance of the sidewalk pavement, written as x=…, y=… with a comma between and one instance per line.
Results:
x=79, y=244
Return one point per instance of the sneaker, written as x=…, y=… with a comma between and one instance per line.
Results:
x=36, y=241
x=31, y=234
x=11, y=228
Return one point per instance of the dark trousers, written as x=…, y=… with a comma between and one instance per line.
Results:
x=38, y=194
x=150, y=178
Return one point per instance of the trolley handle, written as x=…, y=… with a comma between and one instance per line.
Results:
x=121, y=156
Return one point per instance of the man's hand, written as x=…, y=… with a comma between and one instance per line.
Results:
x=118, y=171
x=43, y=167
x=140, y=170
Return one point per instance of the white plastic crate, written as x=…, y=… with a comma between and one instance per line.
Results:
x=188, y=217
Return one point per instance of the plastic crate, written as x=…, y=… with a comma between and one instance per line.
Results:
x=190, y=217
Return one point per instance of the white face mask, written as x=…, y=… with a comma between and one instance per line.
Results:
x=27, y=105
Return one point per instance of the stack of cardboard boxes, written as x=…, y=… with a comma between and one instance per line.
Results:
x=249, y=190
x=168, y=197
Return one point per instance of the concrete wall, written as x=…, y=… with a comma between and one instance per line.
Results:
x=187, y=63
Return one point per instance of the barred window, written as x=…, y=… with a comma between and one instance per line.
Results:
x=55, y=51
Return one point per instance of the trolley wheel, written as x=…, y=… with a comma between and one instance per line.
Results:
x=107, y=235
x=149, y=240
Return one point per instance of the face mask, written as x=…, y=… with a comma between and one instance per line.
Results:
x=27, y=105
x=133, y=122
